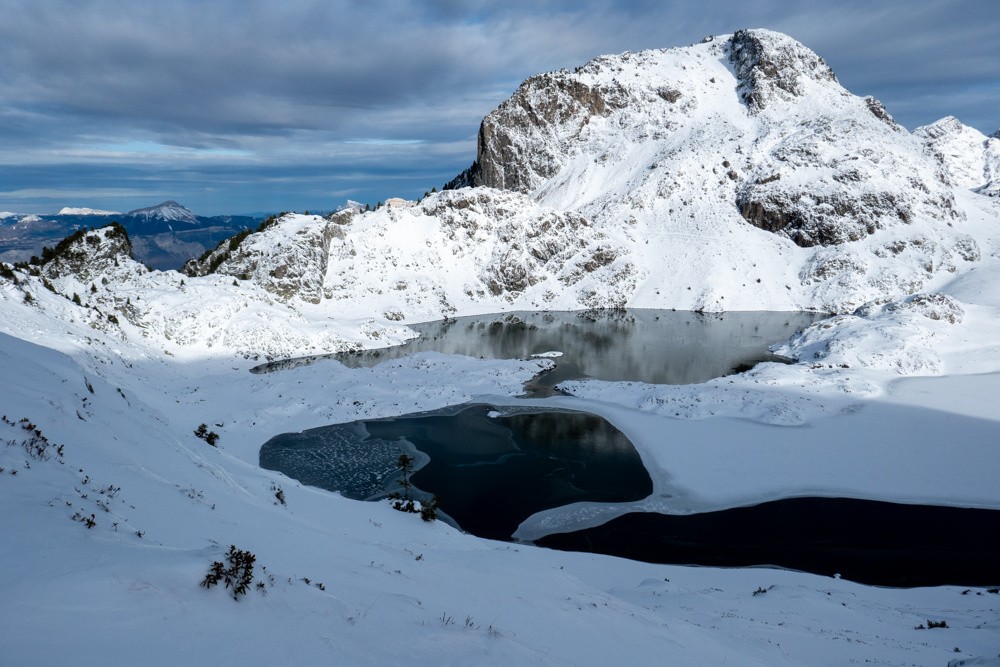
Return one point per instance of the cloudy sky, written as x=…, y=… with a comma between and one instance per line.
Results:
x=251, y=105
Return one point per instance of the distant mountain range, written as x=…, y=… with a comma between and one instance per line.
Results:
x=163, y=236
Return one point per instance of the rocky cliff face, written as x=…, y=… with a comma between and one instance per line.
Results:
x=770, y=67
x=516, y=151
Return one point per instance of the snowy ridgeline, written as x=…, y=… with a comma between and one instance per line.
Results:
x=735, y=174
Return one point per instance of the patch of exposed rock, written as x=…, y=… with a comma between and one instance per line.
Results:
x=515, y=151
x=879, y=111
x=770, y=66
x=88, y=255
x=287, y=256
x=526, y=249
x=837, y=180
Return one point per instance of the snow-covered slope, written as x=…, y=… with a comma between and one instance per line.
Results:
x=972, y=158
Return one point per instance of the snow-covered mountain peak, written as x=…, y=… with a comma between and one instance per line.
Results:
x=971, y=158
x=942, y=127
x=169, y=211
x=735, y=139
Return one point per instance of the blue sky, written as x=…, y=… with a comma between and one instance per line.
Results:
x=242, y=105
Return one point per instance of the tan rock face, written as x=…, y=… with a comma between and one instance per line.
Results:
x=556, y=104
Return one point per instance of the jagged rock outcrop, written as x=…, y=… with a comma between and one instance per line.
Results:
x=514, y=151
x=772, y=66
x=879, y=111
x=287, y=256
x=88, y=255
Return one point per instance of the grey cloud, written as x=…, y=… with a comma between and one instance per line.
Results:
x=287, y=84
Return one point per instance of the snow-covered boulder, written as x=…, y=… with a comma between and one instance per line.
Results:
x=898, y=336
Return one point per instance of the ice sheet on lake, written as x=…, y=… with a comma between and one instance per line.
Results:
x=341, y=458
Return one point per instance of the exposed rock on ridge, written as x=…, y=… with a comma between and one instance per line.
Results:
x=772, y=66
x=287, y=256
x=90, y=254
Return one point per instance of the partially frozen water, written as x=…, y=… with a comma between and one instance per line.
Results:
x=653, y=346
x=492, y=467
x=336, y=458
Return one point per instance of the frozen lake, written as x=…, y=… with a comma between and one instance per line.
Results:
x=494, y=467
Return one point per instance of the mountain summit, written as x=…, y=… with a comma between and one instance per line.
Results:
x=782, y=141
x=168, y=211
x=972, y=158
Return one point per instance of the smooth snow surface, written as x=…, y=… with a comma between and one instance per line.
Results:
x=893, y=399
x=72, y=210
